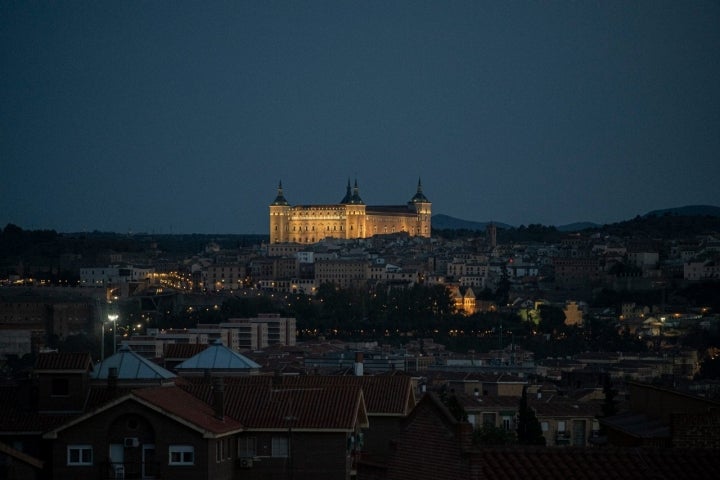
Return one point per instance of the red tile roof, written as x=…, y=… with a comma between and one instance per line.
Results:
x=596, y=463
x=99, y=395
x=63, y=361
x=384, y=394
x=17, y=415
x=180, y=404
x=433, y=445
x=170, y=401
x=182, y=350
x=278, y=407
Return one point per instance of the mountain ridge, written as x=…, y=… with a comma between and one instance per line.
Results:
x=448, y=222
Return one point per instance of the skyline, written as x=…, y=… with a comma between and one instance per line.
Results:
x=170, y=118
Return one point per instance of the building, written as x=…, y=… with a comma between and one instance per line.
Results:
x=664, y=417
x=349, y=219
x=433, y=444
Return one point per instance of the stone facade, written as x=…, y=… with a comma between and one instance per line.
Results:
x=349, y=219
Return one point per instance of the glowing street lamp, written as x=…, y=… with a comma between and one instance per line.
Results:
x=113, y=318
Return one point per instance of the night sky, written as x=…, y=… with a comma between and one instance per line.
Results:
x=181, y=117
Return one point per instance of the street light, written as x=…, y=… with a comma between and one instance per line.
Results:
x=113, y=317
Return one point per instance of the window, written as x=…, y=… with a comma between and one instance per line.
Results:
x=488, y=419
x=181, y=455
x=561, y=426
x=219, y=453
x=507, y=423
x=279, y=447
x=247, y=447
x=79, y=455
x=545, y=427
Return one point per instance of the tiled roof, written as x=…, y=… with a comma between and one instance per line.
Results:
x=18, y=455
x=218, y=357
x=485, y=402
x=177, y=402
x=130, y=366
x=429, y=447
x=561, y=407
x=170, y=401
x=99, y=395
x=17, y=415
x=269, y=407
x=384, y=394
x=638, y=425
x=63, y=361
x=596, y=463
x=183, y=350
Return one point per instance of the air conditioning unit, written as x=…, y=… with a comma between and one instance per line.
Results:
x=245, y=462
x=131, y=442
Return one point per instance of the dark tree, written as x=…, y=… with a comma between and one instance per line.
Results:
x=609, y=405
x=492, y=435
x=709, y=369
x=552, y=319
x=453, y=404
x=529, y=430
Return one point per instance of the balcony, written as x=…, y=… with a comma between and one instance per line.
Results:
x=562, y=438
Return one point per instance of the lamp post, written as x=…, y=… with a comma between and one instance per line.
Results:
x=113, y=318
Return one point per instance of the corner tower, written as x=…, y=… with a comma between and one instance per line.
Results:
x=422, y=207
x=354, y=213
x=279, y=217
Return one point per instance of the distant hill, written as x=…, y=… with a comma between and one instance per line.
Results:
x=688, y=211
x=446, y=222
x=577, y=226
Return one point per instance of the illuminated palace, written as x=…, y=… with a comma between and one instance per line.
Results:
x=350, y=218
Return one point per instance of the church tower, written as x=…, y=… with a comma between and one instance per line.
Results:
x=279, y=218
x=423, y=211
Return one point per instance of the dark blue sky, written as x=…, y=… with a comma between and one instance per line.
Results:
x=171, y=116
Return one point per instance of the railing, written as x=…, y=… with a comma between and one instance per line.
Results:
x=562, y=438
x=129, y=470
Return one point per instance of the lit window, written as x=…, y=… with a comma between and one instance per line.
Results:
x=79, y=455
x=181, y=455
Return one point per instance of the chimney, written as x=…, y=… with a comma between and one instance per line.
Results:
x=112, y=380
x=358, y=364
x=218, y=391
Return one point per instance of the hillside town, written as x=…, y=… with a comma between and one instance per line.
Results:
x=489, y=354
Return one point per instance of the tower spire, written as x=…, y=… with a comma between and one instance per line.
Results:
x=280, y=198
x=348, y=195
x=356, y=195
x=419, y=197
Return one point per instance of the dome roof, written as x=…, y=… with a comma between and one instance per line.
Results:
x=130, y=366
x=218, y=357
